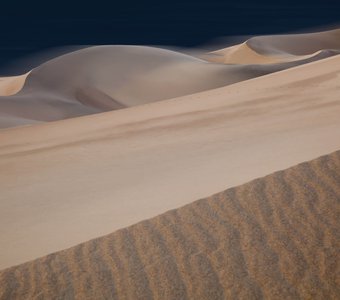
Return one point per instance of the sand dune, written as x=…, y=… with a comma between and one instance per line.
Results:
x=103, y=78
x=11, y=85
x=66, y=182
x=296, y=44
x=278, y=48
x=273, y=238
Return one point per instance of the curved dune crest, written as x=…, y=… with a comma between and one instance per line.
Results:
x=239, y=54
x=278, y=48
x=296, y=44
x=275, y=237
x=12, y=85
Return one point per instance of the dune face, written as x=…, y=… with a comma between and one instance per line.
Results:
x=275, y=237
x=103, y=78
x=85, y=177
x=139, y=134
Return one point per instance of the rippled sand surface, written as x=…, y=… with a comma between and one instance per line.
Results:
x=275, y=237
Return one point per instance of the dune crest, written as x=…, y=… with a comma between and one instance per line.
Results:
x=273, y=49
x=12, y=85
x=275, y=237
x=296, y=44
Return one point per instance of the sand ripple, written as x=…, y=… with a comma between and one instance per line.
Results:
x=275, y=238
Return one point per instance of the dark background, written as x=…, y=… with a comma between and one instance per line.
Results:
x=28, y=27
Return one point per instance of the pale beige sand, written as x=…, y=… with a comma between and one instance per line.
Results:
x=98, y=79
x=278, y=48
x=240, y=54
x=273, y=238
x=69, y=181
x=243, y=54
x=11, y=85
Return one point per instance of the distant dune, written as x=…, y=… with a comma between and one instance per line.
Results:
x=103, y=78
x=272, y=49
x=274, y=238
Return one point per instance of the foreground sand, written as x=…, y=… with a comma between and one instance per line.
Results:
x=66, y=182
x=275, y=238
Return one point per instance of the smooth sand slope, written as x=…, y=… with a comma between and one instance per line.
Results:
x=103, y=78
x=278, y=48
x=66, y=182
x=273, y=238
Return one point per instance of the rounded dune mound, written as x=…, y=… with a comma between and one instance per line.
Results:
x=103, y=78
x=127, y=75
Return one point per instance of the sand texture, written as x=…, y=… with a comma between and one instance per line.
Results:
x=273, y=238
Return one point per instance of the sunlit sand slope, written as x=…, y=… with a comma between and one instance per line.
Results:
x=275, y=238
x=69, y=181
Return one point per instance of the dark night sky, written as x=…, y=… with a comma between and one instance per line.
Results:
x=30, y=26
